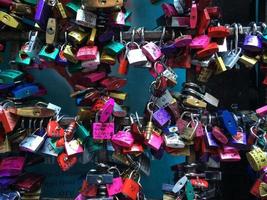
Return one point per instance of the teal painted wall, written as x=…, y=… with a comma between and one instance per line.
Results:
x=67, y=184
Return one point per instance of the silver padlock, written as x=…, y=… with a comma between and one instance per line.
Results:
x=33, y=47
x=135, y=56
x=86, y=18
x=173, y=140
x=170, y=75
x=163, y=101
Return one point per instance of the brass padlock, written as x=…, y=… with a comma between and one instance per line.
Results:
x=70, y=54
x=91, y=38
x=77, y=37
x=194, y=102
x=220, y=64
x=263, y=189
x=189, y=132
x=61, y=10
x=248, y=61
x=205, y=74
x=9, y=20
x=51, y=31
x=5, y=146
x=256, y=158
x=106, y=58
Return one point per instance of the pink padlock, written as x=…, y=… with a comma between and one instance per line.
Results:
x=155, y=141
x=117, y=184
x=183, y=41
x=91, y=65
x=262, y=111
x=151, y=51
x=200, y=42
x=107, y=110
x=229, y=154
x=103, y=131
x=123, y=138
x=157, y=69
x=87, y=53
x=219, y=135
x=94, y=77
x=200, y=130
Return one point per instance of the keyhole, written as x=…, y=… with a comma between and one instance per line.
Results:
x=103, y=2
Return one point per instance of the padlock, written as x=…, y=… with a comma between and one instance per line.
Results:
x=33, y=142
x=194, y=102
x=193, y=16
x=117, y=184
x=25, y=90
x=219, y=135
x=248, y=61
x=263, y=190
x=155, y=141
x=230, y=58
x=113, y=83
x=262, y=111
x=54, y=130
x=77, y=37
x=98, y=178
x=87, y=53
x=136, y=149
x=70, y=54
x=91, y=65
x=102, y=3
x=106, y=111
x=61, y=9
x=61, y=58
x=48, y=149
x=228, y=121
x=130, y=187
x=179, y=184
x=119, y=19
x=208, y=50
x=114, y=48
x=239, y=140
x=189, y=132
x=12, y=166
x=218, y=32
x=157, y=69
x=69, y=131
x=181, y=123
x=170, y=75
x=43, y=12
x=200, y=42
x=169, y=10
x=161, y=117
x=10, y=76
x=123, y=138
x=8, y=120
x=5, y=146
x=73, y=147
x=173, y=140
x=204, y=22
x=255, y=188
x=102, y=131
x=21, y=9
x=9, y=20
x=183, y=41
x=135, y=56
x=199, y=183
x=82, y=134
x=33, y=47
x=65, y=162
x=180, y=22
x=168, y=48
x=49, y=53
x=51, y=31
x=94, y=77
x=256, y=158
x=86, y=18
x=151, y=51
x=220, y=64
x=214, y=12
x=108, y=59
x=229, y=154
x=210, y=140
x=205, y=74
x=252, y=42
x=22, y=58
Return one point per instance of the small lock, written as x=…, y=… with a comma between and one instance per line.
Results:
x=10, y=76
x=155, y=141
x=22, y=58
x=161, y=117
x=77, y=37
x=256, y=158
x=180, y=22
x=230, y=58
x=151, y=51
x=108, y=59
x=189, y=132
x=220, y=64
x=119, y=19
x=248, y=61
x=62, y=10
x=86, y=18
x=48, y=149
x=200, y=42
x=171, y=76
x=135, y=56
x=73, y=147
x=49, y=53
x=252, y=42
x=130, y=187
x=33, y=47
x=103, y=130
x=205, y=74
x=173, y=141
x=87, y=53
x=51, y=31
x=123, y=138
x=114, y=48
x=70, y=54
x=204, y=22
x=9, y=20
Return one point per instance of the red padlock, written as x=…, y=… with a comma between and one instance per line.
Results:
x=219, y=135
x=8, y=120
x=255, y=188
x=218, y=32
x=130, y=187
x=88, y=190
x=113, y=83
x=54, y=130
x=65, y=162
x=199, y=183
x=134, y=149
x=193, y=16
x=123, y=66
x=204, y=22
x=208, y=51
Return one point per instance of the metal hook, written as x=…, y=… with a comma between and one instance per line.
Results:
x=41, y=124
x=133, y=35
x=240, y=29
x=236, y=35
x=142, y=35
x=162, y=36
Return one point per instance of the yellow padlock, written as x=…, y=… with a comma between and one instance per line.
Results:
x=220, y=64
x=194, y=102
x=106, y=58
x=69, y=54
x=263, y=189
x=77, y=37
x=9, y=20
x=256, y=158
x=102, y=3
x=118, y=95
x=91, y=38
x=61, y=10
x=248, y=61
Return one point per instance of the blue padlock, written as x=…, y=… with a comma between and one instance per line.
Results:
x=168, y=48
x=228, y=121
x=25, y=90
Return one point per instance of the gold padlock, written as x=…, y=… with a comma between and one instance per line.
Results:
x=70, y=54
x=118, y=95
x=21, y=9
x=220, y=64
x=248, y=61
x=205, y=74
x=5, y=146
x=102, y=3
x=77, y=37
x=51, y=31
x=91, y=38
x=9, y=20
x=194, y=102
x=61, y=10
x=106, y=58
x=256, y=158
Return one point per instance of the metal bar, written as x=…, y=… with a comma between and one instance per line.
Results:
x=149, y=35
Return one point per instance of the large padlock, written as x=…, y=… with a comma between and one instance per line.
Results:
x=119, y=19
x=103, y=130
x=162, y=117
x=256, y=158
x=33, y=142
x=9, y=20
x=151, y=51
x=49, y=53
x=43, y=12
x=87, y=53
x=123, y=138
x=252, y=42
x=107, y=110
x=130, y=187
x=86, y=18
x=229, y=154
x=98, y=178
x=135, y=56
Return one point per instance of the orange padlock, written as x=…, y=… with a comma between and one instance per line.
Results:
x=123, y=67
x=218, y=32
x=204, y=21
x=130, y=187
x=8, y=120
x=208, y=51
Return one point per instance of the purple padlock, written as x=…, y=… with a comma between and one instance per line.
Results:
x=252, y=43
x=239, y=140
x=162, y=117
x=210, y=140
x=43, y=12
x=168, y=48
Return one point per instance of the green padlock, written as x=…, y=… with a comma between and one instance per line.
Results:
x=23, y=59
x=82, y=134
x=58, y=150
x=114, y=48
x=49, y=53
x=74, y=6
x=10, y=76
x=189, y=191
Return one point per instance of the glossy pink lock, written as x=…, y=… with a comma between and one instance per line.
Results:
x=157, y=69
x=155, y=141
x=123, y=138
x=103, y=131
x=183, y=41
x=262, y=111
x=107, y=110
x=151, y=51
x=199, y=130
x=117, y=184
x=87, y=53
x=200, y=42
x=229, y=154
x=73, y=147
